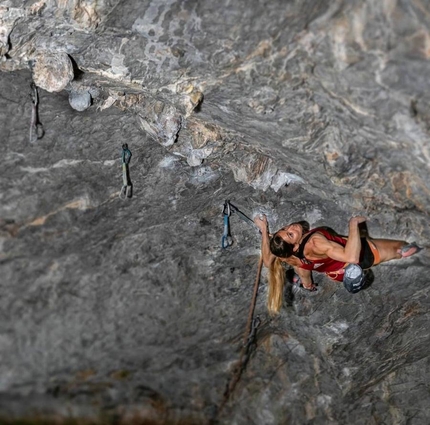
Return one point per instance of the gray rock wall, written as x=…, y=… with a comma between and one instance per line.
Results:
x=129, y=310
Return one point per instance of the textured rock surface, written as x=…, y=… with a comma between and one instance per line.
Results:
x=52, y=72
x=130, y=309
x=80, y=101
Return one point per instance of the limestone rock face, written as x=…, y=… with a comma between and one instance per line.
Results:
x=128, y=310
x=52, y=72
x=80, y=100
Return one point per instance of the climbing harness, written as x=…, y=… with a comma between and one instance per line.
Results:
x=226, y=239
x=36, y=128
x=248, y=340
x=127, y=186
x=228, y=209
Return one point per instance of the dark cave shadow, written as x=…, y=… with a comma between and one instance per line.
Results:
x=198, y=107
x=78, y=74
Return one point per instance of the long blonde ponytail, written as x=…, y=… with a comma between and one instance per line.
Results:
x=276, y=279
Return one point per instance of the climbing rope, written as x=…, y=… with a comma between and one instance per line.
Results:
x=127, y=186
x=36, y=128
x=249, y=337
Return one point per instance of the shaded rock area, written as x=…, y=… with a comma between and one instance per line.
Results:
x=128, y=311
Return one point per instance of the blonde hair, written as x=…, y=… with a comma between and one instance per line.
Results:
x=276, y=279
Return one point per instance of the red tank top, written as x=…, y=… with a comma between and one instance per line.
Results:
x=332, y=268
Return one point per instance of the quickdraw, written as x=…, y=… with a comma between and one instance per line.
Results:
x=226, y=239
x=228, y=209
x=36, y=128
x=127, y=186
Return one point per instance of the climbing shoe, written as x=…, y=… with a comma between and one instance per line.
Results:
x=409, y=249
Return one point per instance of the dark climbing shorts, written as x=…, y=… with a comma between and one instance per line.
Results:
x=366, y=255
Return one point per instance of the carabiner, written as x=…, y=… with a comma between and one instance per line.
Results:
x=226, y=209
x=226, y=239
x=127, y=186
x=126, y=154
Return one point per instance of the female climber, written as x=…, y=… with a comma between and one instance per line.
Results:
x=321, y=249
